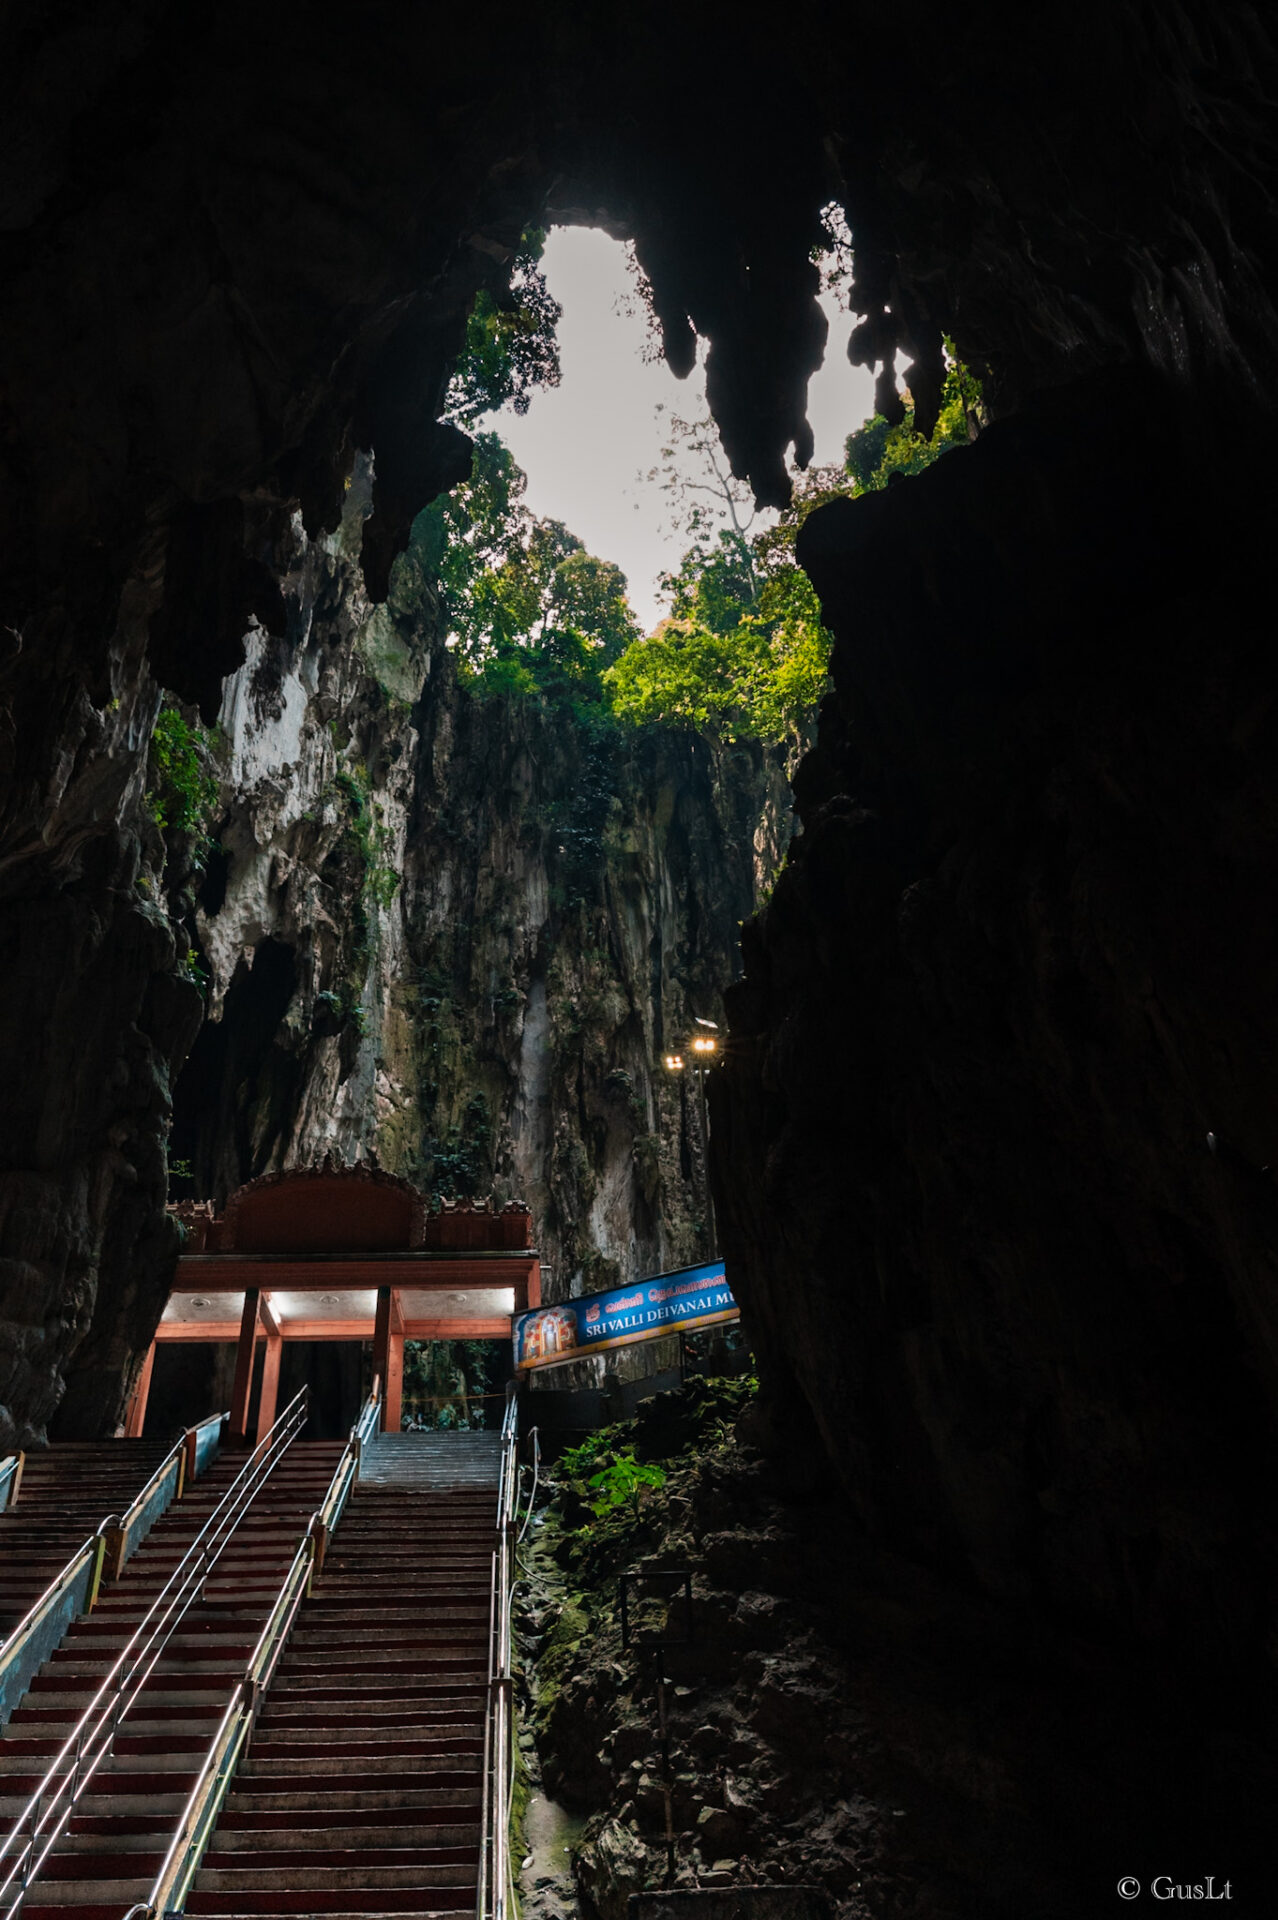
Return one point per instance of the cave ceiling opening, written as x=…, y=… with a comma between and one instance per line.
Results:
x=596, y=444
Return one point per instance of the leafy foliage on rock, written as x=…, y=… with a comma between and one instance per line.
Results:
x=183, y=792
x=744, y=653
x=367, y=833
x=878, y=453
x=769, y=1779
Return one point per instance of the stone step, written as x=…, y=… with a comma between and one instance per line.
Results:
x=282, y=1773
x=440, y=1903
x=420, y=1836
x=259, y=1812
x=467, y=1695
x=428, y=1743
x=409, y=1735
x=353, y=1876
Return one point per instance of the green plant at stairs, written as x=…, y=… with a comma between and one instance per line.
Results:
x=621, y=1482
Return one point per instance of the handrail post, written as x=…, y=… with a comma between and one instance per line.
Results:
x=99, y=1557
x=319, y=1547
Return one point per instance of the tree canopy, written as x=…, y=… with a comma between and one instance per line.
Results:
x=510, y=348
x=526, y=607
x=742, y=652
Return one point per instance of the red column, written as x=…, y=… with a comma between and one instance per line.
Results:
x=392, y=1405
x=382, y=1355
x=270, y=1384
x=242, y=1391
x=135, y=1418
x=534, y=1283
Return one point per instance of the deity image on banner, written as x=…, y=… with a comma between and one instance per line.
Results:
x=551, y=1332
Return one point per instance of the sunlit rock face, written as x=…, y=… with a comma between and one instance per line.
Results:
x=459, y=933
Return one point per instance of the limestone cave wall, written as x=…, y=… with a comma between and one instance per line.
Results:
x=458, y=931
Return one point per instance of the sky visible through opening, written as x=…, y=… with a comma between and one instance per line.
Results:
x=586, y=443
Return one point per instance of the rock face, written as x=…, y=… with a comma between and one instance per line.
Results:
x=838, y=1717
x=998, y=1126
x=458, y=932
x=97, y=1020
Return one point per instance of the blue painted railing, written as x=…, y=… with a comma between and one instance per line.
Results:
x=73, y=1592
x=10, y=1479
x=41, y=1632
x=70, y=1774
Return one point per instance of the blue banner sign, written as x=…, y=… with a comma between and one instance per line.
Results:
x=692, y=1297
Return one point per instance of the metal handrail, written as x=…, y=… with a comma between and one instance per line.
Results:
x=10, y=1480
x=47, y=1813
x=494, y=1899
x=107, y=1549
x=119, y=1543
x=176, y=1455
x=199, y=1817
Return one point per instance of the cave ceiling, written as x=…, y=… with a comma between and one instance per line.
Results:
x=235, y=246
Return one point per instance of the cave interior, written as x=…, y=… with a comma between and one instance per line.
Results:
x=994, y=1146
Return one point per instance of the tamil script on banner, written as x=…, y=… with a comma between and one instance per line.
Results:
x=692, y=1297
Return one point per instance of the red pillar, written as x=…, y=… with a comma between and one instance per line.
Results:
x=135, y=1418
x=242, y=1391
x=382, y=1354
x=534, y=1284
x=270, y=1384
x=393, y=1399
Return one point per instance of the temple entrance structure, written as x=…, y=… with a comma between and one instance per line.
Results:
x=341, y=1254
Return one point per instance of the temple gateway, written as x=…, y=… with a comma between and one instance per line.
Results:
x=340, y=1254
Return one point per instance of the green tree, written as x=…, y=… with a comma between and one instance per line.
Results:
x=510, y=348
x=526, y=607
x=588, y=597
x=743, y=652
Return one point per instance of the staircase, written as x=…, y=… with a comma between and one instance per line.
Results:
x=361, y=1791
x=67, y=1492
x=115, y=1845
